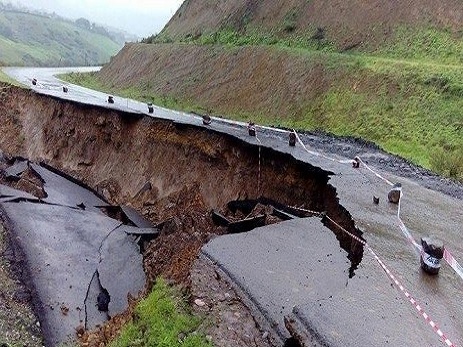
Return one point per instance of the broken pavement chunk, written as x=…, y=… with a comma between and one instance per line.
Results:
x=219, y=219
x=246, y=224
x=16, y=169
x=131, y=230
x=136, y=218
x=9, y=194
x=282, y=214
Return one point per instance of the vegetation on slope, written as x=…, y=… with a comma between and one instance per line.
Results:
x=396, y=82
x=161, y=320
x=410, y=108
x=51, y=41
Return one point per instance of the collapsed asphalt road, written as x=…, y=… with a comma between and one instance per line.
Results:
x=76, y=257
x=370, y=292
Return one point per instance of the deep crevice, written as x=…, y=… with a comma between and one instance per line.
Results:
x=190, y=171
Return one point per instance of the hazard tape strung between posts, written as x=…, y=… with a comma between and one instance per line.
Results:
x=319, y=154
x=404, y=229
x=448, y=257
x=410, y=298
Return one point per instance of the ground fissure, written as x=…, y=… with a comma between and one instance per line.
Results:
x=173, y=174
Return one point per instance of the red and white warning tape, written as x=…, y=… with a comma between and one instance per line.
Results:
x=407, y=294
x=418, y=307
x=448, y=257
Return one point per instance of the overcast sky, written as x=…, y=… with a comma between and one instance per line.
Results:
x=139, y=17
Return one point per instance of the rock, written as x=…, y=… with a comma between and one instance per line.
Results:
x=252, y=129
x=80, y=330
x=292, y=139
x=200, y=303
x=207, y=120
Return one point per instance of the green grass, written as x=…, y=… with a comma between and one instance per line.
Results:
x=252, y=37
x=48, y=41
x=140, y=93
x=162, y=320
x=424, y=43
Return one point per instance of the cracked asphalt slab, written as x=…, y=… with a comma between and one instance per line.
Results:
x=324, y=314
x=424, y=211
x=72, y=255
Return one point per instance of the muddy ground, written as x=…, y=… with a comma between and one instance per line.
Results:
x=175, y=175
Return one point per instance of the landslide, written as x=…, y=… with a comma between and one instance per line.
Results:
x=174, y=174
x=347, y=23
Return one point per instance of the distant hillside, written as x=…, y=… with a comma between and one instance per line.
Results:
x=33, y=39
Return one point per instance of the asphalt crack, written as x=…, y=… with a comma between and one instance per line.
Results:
x=97, y=275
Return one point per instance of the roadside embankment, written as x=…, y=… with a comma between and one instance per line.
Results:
x=174, y=174
x=409, y=108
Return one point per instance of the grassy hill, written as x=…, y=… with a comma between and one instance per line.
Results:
x=389, y=72
x=38, y=40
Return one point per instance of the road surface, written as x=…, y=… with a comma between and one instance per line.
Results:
x=277, y=268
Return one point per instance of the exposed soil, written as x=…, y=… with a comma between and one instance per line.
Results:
x=346, y=22
x=230, y=80
x=18, y=323
x=175, y=175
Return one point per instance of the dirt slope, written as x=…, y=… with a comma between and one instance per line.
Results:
x=346, y=22
x=242, y=80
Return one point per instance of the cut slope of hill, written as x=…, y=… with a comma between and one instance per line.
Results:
x=286, y=64
x=36, y=40
x=346, y=23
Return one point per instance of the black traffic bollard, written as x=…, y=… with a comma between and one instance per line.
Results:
x=34, y=81
x=150, y=107
x=394, y=194
x=292, y=139
x=252, y=129
x=431, y=255
x=356, y=163
x=65, y=89
x=207, y=120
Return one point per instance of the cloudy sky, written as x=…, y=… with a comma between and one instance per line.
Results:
x=139, y=17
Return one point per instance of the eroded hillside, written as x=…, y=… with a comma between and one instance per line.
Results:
x=349, y=23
